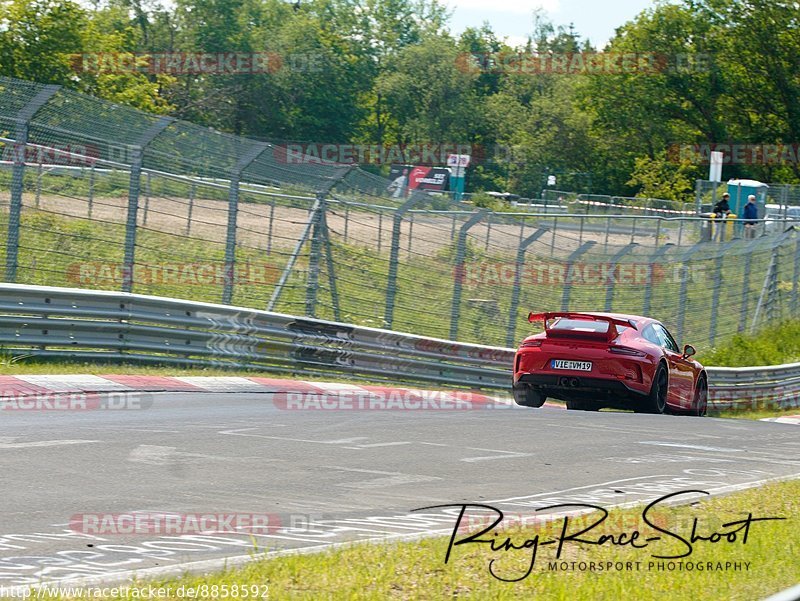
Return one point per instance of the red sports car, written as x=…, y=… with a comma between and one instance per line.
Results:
x=594, y=360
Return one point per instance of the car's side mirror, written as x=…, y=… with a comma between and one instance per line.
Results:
x=688, y=351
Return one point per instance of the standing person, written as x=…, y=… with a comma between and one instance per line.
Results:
x=398, y=187
x=751, y=217
x=721, y=211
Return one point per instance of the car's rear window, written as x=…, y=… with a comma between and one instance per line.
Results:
x=583, y=325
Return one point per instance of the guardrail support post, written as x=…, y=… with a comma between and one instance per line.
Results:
x=567, y=272
x=394, y=256
x=233, y=211
x=137, y=152
x=610, y=280
x=461, y=251
x=23, y=119
x=515, y=292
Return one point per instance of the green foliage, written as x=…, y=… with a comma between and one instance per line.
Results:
x=659, y=178
x=385, y=72
x=773, y=345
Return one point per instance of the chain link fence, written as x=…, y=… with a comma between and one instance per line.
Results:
x=101, y=196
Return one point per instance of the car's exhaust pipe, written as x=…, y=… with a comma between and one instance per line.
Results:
x=568, y=382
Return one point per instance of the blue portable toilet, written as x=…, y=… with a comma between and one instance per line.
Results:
x=740, y=189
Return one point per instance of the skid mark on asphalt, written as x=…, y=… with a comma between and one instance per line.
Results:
x=8, y=443
x=695, y=447
x=161, y=455
x=240, y=432
x=386, y=479
x=497, y=455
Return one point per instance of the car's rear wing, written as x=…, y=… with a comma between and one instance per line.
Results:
x=608, y=335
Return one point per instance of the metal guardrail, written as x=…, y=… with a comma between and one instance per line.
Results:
x=113, y=326
x=100, y=325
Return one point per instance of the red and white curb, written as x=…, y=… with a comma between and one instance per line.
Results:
x=285, y=394
x=790, y=419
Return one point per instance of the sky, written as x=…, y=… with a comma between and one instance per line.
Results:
x=593, y=19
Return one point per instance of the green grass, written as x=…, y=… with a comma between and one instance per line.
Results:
x=756, y=413
x=416, y=570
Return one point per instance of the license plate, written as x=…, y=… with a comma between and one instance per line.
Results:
x=571, y=365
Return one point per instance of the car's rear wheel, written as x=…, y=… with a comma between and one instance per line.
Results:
x=528, y=397
x=700, y=405
x=656, y=401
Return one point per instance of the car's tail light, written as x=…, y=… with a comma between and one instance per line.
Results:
x=531, y=343
x=624, y=350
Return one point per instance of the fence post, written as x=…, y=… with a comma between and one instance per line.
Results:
x=137, y=153
x=192, y=192
x=23, y=119
x=648, y=291
x=346, y=218
x=488, y=230
x=748, y=260
x=326, y=238
x=515, y=292
x=410, y=232
x=276, y=294
x=39, y=182
x=394, y=255
x=567, y=291
x=312, y=284
x=146, y=198
x=461, y=251
x=698, y=196
x=721, y=252
x=766, y=300
x=91, y=189
x=684, y=289
x=269, y=228
x=380, y=229
x=795, y=277
x=250, y=155
x=612, y=275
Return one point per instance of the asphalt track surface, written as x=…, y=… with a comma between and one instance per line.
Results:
x=326, y=477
